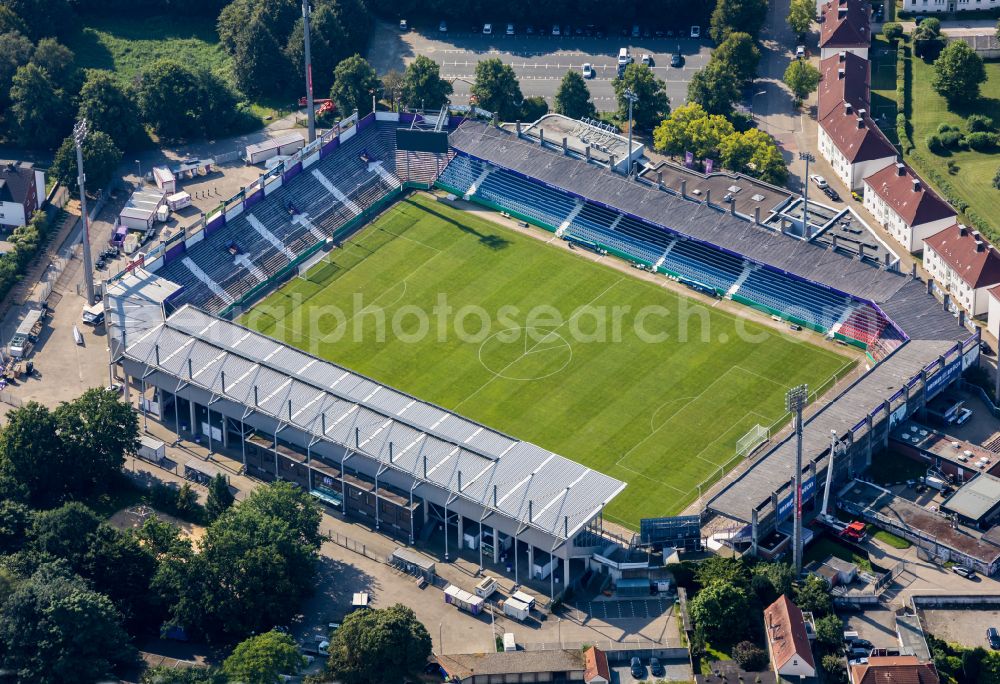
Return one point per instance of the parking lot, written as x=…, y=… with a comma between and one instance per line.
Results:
x=965, y=626
x=540, y=62
x=625, y=609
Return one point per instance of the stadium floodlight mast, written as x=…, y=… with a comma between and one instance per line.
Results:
x=807, y=157
x=306, y=11
x=79, y=135
x=795, y=401
x=632, y=98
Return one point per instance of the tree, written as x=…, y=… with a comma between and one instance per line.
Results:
x=800, y=16
x=573, y=97
x=829, y=630
x=98, y=429
x=534, y=108
x=722, y=570
x=328, y=45
x=715, y=88
x=10, y=22
x=15, y=52
x=740, y=52
x=255, y=564
x=170, y=99
x=721, y=610
x=652, y=103
x=771, y=580
x=260, y=659
x=392, y=88
x=58, y=62
x=749, y=656
x=108, y=108
x=496, y=89
x=31, y=455
x=926, y=38
x=39, y=114
x=220, y=497
x=958, y=73
x=813, y=596
x=802, y=78
x=258, y=58
x=834, y=666
x=55, y=630
x=354, y=83
x=737, y=15
x=690, y=129
x=101, y=158
x=423, y=86
x=892, y=31
x=42, y=18
x=754, y=153
x=376, y=646
x=161, y=674
x=15, y=521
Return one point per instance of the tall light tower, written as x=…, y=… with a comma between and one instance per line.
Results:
x=306, y=11
x=632, y=99
x=795, y=401
x=806, y=157
x=79, y=135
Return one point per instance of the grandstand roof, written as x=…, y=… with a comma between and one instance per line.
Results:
x=777, y=467
x=461, y=456
x=685, y=216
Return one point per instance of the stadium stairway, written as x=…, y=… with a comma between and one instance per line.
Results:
x=290, y=220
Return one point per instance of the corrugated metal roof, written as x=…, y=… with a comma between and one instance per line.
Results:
x=467, y=459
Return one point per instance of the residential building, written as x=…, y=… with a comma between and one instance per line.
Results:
x=853, y=144
x=596, y=669
x=22, y=192
x=904, y=205
x=965, y=265
x=845, y=25
x=993, y=317
x=926, y=6
x=787, y=640
x=880, y=670
x=844, y=77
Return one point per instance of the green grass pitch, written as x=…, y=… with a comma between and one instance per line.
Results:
x=660, y=414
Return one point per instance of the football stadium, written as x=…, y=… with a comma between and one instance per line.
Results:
x=493, y=339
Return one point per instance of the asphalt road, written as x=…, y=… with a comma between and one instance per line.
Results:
x=540, y=62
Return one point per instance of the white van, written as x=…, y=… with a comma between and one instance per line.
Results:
x=623, y=57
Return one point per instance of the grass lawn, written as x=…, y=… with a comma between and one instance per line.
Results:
x=974, y=179
x=825, y=546
x=711, y=655
x=125, y=45
x=883, y=90
x=557, y=358
x=892, y=540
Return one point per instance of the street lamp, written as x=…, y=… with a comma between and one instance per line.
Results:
x=138, y=163
x=310, y=108
x=632, y=98
x=762, y=92
x=795, y=402
x=807, y=157
x=79, y=135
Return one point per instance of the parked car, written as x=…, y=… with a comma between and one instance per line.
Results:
x=647, y=60
x=529, y=29
x=588, y=70
x=993, y=638
x=800, y=52
x=677, y=60
x=656, y=668
x=487, y=29
x=818, y=180
x=443, y=27
x=639, y=672
x=510, y=29
x=635, y=31
x=962, y=416
x=831, y=193
x=403, y=26
x=696, y=32
x=985, y=348
x=967, y=573
x=555, y=29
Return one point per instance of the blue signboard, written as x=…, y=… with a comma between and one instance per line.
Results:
x=808, y=492
x=943, y=378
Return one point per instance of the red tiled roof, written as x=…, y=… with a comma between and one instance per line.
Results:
x=595, y=664
x=844, y=77
x=908, y=195
x=977, y=264
x=894, y=670
x=845, y=24
x=856, y=136
x=995, y=291
x=786, y=633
